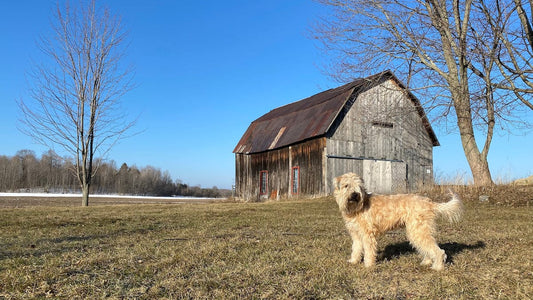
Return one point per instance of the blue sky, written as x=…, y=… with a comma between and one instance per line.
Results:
x=204, y=71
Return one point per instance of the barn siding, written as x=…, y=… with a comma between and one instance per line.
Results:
x=308, y=156
x=383, y=125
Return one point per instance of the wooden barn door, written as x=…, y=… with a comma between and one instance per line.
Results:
x=385, y=177
x=398, y=177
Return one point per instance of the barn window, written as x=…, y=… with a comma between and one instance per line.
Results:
x=382, y=124
x=263, y=182
x=295, y=180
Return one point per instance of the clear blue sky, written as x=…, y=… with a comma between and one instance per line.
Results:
x=205, y=70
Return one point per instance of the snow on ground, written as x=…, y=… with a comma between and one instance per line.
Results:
x=47, y=195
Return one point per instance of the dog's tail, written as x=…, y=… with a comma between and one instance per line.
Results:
x=451, y=210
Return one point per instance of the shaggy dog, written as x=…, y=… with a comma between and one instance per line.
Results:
x=367, y=216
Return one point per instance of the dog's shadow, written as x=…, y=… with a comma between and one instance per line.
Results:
x=393, y=251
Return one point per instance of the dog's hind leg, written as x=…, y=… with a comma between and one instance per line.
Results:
x=422, y=239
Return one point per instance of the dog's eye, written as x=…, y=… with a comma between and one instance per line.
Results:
x=345, y=186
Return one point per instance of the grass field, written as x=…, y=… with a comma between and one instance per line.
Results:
x=274, y=250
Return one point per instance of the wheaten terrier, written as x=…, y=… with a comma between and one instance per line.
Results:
x=367, y=216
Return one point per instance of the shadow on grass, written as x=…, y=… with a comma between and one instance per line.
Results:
x=393, y=251
x=452, y=249
x=64, y=244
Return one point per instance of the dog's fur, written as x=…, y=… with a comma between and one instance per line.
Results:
x=367, y=216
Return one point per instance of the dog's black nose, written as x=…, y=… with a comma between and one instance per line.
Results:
x=354, y=197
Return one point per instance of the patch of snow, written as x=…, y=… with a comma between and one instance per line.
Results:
x=47, y=195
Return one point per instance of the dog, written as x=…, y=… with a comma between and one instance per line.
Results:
x=367, y=216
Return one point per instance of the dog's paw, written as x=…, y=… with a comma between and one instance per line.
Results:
x=352, y=261
x=426, y=262
x=369, y=265
x=438, y=267
x=438, y=264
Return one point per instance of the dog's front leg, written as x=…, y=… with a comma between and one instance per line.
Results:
x=370, y=249
x=357, y=248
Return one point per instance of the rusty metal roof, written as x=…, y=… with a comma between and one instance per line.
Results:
x=311, y=117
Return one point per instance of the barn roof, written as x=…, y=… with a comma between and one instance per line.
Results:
x=312, y=117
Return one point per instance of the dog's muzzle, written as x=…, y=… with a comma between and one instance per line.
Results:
x=354, y=197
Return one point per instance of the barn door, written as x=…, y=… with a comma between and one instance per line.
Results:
x=398, y=177
x=384, y=177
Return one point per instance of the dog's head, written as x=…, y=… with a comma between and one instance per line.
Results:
x=349, y=193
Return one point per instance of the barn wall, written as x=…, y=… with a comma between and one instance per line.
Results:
x=307, y=156
x=383, y=125
x=243, y=176
x=339, y=166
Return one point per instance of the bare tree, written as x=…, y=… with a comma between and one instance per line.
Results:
x=443, y=49
x=77, y=87
x=27, y=170
x=512, y=23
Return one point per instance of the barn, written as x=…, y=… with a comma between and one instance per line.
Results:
x=372, y=126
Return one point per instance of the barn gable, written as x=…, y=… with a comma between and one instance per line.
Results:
x=372, y=126
x=313, y=117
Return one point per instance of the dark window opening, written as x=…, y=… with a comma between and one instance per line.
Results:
x=295, y=180
x=382, y=124
x=263, y=182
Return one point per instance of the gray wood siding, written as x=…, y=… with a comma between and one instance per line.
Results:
x=384, y=125
x=307, y=156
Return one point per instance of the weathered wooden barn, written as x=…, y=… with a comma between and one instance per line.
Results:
x=372, y=126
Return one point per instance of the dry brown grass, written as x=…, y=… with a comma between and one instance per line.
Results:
x=252, y=250
x=498, y=194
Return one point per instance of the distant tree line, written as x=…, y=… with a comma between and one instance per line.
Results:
x=54, y=174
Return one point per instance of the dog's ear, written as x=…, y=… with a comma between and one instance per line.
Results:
x=362, y=190
x=336, y=182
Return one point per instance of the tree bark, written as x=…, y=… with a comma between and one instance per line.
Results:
x=85, y=195
x=477, y=160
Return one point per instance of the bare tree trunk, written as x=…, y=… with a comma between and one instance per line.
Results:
x=477, y=160
x=85, y=195
x=85, y=179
